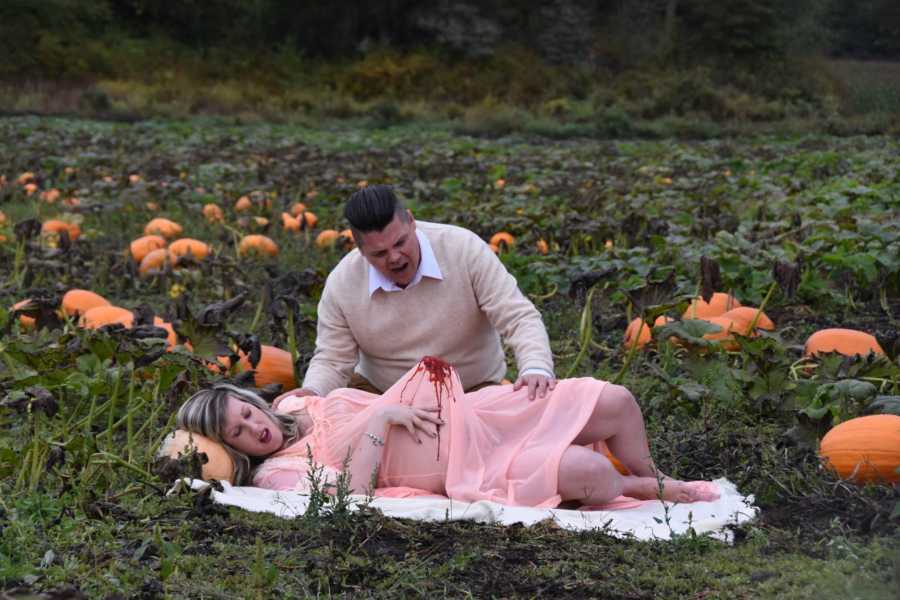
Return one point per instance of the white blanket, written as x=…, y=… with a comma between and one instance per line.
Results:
x=651, y=520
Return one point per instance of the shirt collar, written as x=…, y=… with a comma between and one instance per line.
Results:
x=428, y=267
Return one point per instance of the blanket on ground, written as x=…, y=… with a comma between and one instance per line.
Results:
x=640, y=519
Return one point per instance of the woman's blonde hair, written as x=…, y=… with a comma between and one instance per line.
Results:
x=204, y=414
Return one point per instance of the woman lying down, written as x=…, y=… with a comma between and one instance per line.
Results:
x=425, y=436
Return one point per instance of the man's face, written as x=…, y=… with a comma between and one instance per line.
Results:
x=394, y=251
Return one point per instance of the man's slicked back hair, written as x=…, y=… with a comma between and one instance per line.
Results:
x=372, y=209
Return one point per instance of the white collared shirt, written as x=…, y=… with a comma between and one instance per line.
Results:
x=428, y=267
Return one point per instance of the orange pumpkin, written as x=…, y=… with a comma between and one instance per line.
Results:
x=645, y=335
x=604, y=449
x=50, y=196
x=143, y=246
x=718, y=305
x=310, y=219
x=542, y=247
x=298, y=209
x=243, y=204
x=2, y=218
x=725, y=336
x=26, y=177
x=164, y=227
x=54, y=226
x=258, y=244
x=844, y=341
x=154, y=262
x=743, y=317
x=502, y=239
x=106, y=315
x=219, y=464
x=30, y=188
x=290, y=223
x=213, y=213
x=327, y=238
x=172, y=337
x=274, y=366
x=25, y=321
x=187, y=247
x=864, y=449
x=76, y=302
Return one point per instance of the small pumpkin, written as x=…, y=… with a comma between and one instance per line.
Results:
x=864, y=449
x=604, y=449
x=50, y=196
x=26, y=177
x=143, y=246
x=219, y=464
x=644, y=337
x=187, y=247
x=243, y=204
x=290, y=223
x=106, y=315
x=743, y=317
x=327, y=238
x=503, y=239
x=541, y=246
x=844, y=341
x=54, y=226
x=258, y=244
x=213, y=213
x=310, y=220
x=2, y=218
x=76, y=302
x=164, y=227
x=24, y=320
x=718, y=305
x=298, y=209
x=154, y=262
x=171, y=337
x=30, y=188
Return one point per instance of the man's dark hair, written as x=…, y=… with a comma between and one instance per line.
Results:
x=372, y=209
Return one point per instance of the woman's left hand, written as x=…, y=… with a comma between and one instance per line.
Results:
x=412, y=419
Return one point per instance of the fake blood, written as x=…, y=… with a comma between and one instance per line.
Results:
x=439, y=372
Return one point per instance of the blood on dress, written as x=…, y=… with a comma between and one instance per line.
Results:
x=439, y=372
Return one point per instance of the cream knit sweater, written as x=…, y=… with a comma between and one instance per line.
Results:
x=459, y=319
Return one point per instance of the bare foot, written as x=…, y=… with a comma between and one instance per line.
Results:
x=673, y=490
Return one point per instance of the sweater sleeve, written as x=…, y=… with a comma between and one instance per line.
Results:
x=509, y=311
x=336, y=349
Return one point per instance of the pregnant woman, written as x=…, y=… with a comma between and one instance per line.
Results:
x=426, y=436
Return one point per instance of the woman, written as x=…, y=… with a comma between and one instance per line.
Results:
x=425, y=436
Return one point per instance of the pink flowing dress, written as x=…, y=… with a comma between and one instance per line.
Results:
x=496, y=444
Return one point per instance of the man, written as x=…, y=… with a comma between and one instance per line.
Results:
x=412, y=289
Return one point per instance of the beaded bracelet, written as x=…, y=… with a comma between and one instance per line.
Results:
x=376, y=439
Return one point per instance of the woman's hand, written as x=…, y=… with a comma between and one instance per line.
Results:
x=413, y=419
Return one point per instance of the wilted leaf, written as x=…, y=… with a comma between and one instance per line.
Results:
x=710, y=278
x=788, y=277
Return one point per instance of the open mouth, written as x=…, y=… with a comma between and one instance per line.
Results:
x=264, y=436
x=399, y=269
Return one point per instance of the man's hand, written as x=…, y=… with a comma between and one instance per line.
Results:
x=537, y=385
x=299, y=392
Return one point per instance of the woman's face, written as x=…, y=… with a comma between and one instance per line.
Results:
x=250, y=430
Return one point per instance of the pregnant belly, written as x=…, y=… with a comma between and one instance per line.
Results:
x=407, y=463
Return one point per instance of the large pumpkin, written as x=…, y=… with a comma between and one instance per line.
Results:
x=274, y=366
x=843, y=341
x=743, y=317
x=219, y=464
x=76, y=302
x=143, y=246
x=644, y=337
x=718, y=305
x=164, y=227
x=106, y=315
x=864, y=449
x=187, y=246
x=258, y=244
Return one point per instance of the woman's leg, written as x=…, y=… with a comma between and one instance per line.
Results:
x=617, y=420
x=590, y=478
